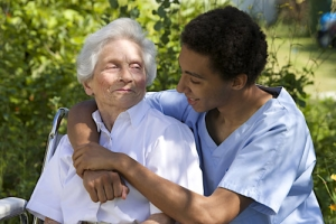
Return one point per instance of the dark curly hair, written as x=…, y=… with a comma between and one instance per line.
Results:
x=233, y=41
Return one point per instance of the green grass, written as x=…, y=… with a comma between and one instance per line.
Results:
x=304, y=52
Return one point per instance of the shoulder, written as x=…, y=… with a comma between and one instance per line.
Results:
x=159, y=124
x=169, y=102
x=167, y=96
x=64, y=147
x=278, y=125
x=280, y=112
x=165, y=121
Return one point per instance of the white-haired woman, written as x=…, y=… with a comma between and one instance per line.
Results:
x=115, y=66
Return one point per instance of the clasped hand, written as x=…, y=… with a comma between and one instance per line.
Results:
x=103, y=184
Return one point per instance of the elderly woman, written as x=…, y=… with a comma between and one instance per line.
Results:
x=115, y=65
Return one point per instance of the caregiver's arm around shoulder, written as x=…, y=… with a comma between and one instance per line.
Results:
x=81, y=132
x=80, y=124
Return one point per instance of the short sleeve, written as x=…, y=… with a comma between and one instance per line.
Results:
x=268, y=165
x=46, y=198
x=173, y=156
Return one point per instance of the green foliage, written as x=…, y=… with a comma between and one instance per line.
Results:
x=39, y=41
x=292, y=79
x=321, y=119
x=37, y=75
x=168, y=20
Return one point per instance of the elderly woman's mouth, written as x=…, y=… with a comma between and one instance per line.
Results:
x=124, y=90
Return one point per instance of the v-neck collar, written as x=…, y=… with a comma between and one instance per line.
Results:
x=234, y=136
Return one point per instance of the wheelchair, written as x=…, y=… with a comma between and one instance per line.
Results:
x=15, y=207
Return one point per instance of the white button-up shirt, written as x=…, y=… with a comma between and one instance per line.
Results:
x=160, y=143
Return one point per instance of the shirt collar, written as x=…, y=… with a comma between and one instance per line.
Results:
x=135, y=114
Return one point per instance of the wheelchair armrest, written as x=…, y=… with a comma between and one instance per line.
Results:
x=11, y=207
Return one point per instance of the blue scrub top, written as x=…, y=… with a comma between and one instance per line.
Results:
x=270, y=158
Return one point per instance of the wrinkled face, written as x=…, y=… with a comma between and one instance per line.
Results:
x=204, y=89
x=119, y=78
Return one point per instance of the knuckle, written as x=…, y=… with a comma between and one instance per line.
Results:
x=91, y=184
x=110, y=197
x=102, y=198
x=114, y=174
x=94, y=199
x=115, y=179
x=97, y=181
x=104, y=177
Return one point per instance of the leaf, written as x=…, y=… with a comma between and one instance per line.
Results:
x=164, y=38
x=158, y=25
x=114, y=4
x=135, y=13
x=123, y=11
x=166, y=3
x=161, y=12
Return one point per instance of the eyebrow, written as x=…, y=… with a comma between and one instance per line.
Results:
x=191, y=73
x=131, y=61
x=194, y=74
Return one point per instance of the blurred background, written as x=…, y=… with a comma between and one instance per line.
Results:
x=40, y=39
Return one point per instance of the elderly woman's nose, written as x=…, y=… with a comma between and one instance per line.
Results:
x=126, y=75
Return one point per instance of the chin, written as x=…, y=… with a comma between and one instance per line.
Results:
x=199, y=110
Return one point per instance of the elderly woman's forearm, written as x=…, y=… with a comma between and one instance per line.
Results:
x=81, y=127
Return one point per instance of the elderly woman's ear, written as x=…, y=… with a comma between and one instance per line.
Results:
x=87, y=87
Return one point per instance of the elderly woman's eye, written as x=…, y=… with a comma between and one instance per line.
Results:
x=135, y=66
x=111, y=66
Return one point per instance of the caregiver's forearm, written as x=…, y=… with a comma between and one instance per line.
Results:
x=177, y=202
x=159, y=218
x=181, y=204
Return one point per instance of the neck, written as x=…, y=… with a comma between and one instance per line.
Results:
x=242, y=106
x=222, y=121
x=109, y=115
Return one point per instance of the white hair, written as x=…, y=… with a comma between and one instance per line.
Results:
x=117, y=29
